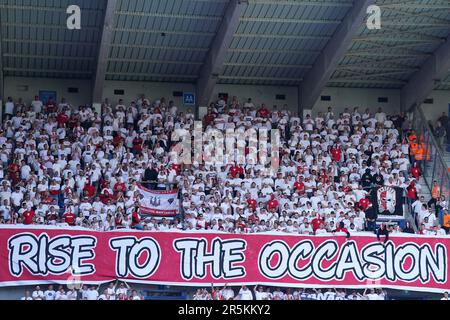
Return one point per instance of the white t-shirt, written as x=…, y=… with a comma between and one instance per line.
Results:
x=246, y=294
x=373, y=296
x=228, y=294
x=111, y=293
x=91, y=294
x=9, y=108
x=121, y=291
x=50, y=294
x=260, y=295
x=38, y=295
x=37, y=106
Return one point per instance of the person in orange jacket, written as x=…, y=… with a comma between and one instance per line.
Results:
x=435, y=195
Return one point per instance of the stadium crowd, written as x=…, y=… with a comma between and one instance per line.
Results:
x=122, y=291
x=270, y=293
x=113, y=291
x=69, y=166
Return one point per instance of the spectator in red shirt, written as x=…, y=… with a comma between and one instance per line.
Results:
x=13, y=168
x=119, y=187
x=69, y=218
x=137, y=145
x=252, y=203
x=415, y=171
x=62, y=119
x=177, y=168
x=117, y=140
x=136, y=220
x=50, y=106
x=336, y=153
x=263, y=112
x=235, y=171
x=412, y=191
x=343, y=229
x=300, y=186
x=89, y=189
x=364, y=204
x=253, y=218
x=208, y=118
x=273, y=203
x=316, y=222
x=28, y=217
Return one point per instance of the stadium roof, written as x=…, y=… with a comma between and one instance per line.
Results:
x=310, y=43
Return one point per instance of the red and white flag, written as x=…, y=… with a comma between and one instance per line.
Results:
x=158, y=203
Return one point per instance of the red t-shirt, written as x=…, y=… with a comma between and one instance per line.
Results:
x=90, y=189
x=48, y=200
x=28, y=217
x=263, y=112
x=14, y=167
x=342, y=230
x=209, y=119
x=415, y=171
x=299, y=186
x=272, y=204
x=69, y=218
x=234, y=170
x=316, y=222
x=253, y=218
x=336, y=154
x=412, y=193
x=137, y=144
x=346, y=189
x=119, y=187
x=62, y=118
x=177, y=168
x=117, y=139
x=252, y=203
x=136, y=219
x=364, y=203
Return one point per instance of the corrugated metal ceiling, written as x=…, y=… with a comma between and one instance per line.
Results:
x=387, y=58
x=276, y=42
x=37, y=43
x=162, y=40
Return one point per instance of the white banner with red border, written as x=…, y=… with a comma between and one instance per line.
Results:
x=160, y=203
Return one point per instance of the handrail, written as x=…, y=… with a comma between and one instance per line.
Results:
x=433, y=141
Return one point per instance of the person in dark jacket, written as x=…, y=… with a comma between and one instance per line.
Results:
x=366, y=179
x=371, y=219
x=378, y=179
x=383, y=230
x=408, y=228
x=151, y=177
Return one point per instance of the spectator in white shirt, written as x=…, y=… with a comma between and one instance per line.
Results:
x=38, y=294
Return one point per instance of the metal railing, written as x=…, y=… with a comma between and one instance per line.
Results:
x=434, y=168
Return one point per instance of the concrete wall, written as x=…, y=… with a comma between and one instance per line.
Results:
x=152, y=90
x=341, y=98
x=15, y=87
x=440, y=104
x=261, y=94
